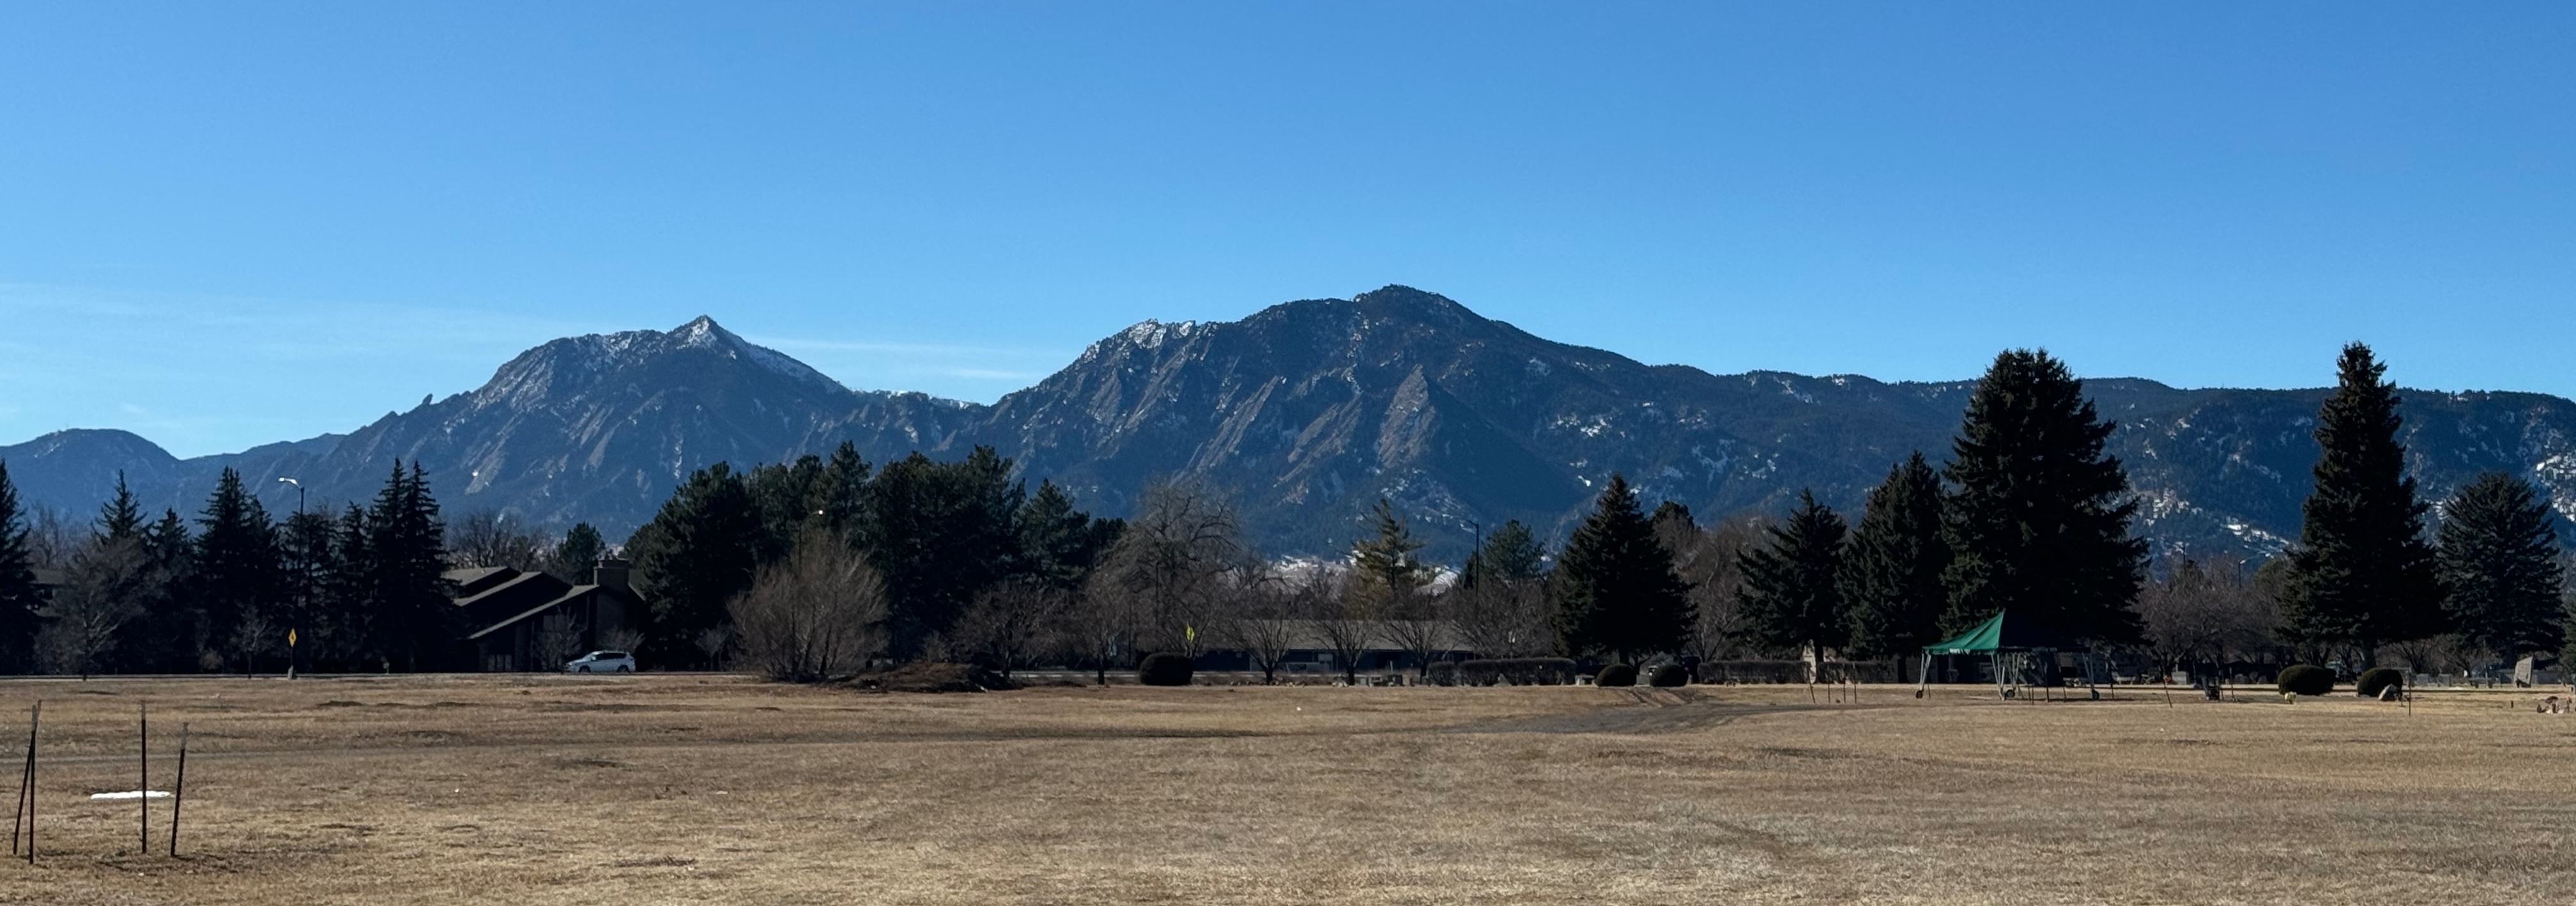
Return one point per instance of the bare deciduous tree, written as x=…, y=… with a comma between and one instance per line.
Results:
x=558, y=640
x=1504, y=617
x=1708, y=558
x=2204, y=614
x=1006, y=625
x=712, y=642
x=818, y=613
x=1346, y=622
x=1261, y=616
x=495, y=538
x=1170, y=566
x=108, y=581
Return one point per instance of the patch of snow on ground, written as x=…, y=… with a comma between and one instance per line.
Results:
x=133, y=794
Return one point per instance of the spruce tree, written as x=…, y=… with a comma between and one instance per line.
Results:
x=2362, y=574
x=239, y=571
x=1389, y=562
x=940, y=533
x=308, y=545
x=697, y=554
x=1891, y=574
x=19, y=595
x=120, y=518
x=1789, y=599
x=414, y=621
x=1059, y=544
x=2499, y=568
x=2039, y=522
x=1511, y=553
x=1614, y=584
x=167, y=635
x=575, y=558
x=345, y=625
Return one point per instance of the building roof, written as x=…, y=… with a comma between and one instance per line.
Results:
x=517, y=584
x=577, y=592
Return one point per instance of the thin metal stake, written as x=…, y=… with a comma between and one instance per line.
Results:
x=179, y=789
x=31, y=781
x=18, y=815
x=143, y=778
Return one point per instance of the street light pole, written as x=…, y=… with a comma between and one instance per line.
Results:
x=292, y=654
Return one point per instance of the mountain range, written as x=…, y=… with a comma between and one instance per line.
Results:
x=1308, y=412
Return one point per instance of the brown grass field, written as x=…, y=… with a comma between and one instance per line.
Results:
x=722, y=790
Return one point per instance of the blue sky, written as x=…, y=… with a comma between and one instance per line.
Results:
x=227, y=224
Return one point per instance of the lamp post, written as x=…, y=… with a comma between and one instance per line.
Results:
x=291, y=653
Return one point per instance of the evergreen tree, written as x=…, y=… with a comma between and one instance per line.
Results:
x=1789, y=599
x=1511, y=553
x=19, y=595
x=239, y=571
x=2039, y=521
x=700, y=551
x=1389, y=563
x=309, y=548
x=939, y=533
x=1891, y=573
x=1615, y=587
x=2498, y=564
x=414, y=622
x=166, y=638
x=574, y=559
x=2362, y=572
x=120, y=518
x=1060, y=544
x=345, y=625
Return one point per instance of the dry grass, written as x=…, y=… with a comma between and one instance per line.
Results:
x=658, y=789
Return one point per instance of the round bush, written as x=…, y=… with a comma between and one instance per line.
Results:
x=1616, y=675
x=1668, y=676
x=2306, y=679
x=1441, y=673
x=1165, y=669
x=2377, y=679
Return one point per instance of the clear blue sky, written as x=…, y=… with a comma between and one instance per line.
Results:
x=224, y=224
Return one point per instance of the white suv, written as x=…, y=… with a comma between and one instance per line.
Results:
x=602, y=662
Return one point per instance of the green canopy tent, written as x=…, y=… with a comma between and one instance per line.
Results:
x=1998, y=636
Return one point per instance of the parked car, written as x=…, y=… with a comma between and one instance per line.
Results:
x=602, y=662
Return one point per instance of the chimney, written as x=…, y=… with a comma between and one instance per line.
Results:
x=611, y=572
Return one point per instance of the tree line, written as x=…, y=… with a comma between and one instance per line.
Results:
x=827, y=564
x=359, y=590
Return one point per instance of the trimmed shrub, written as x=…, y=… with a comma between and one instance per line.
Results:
x=1668, y=676
x=1165, y=669
x=2377, y=679
x=2306, y=679
x=1616, y=675
x=1517, y=671
x=1441, y=673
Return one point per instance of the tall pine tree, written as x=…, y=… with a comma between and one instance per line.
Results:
x=120, y=518
x=1789, y=599
x=576, y=557
x=1512, y=553
x=2039, y=521
x=1614, y=583
x=238, y=573
x=19, y=596
x=940, y=533
x=2499, y=569
x=415, y=625
x=697, y=554
x=1891, y=573
x=2362, y=574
